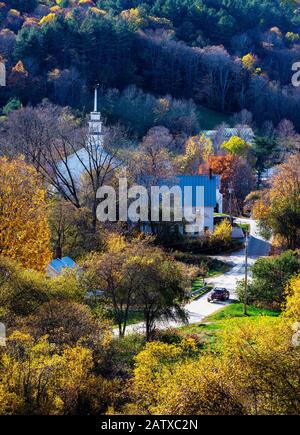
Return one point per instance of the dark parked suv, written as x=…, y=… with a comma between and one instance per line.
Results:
x=219, y=294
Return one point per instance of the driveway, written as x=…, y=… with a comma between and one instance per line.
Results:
x=199, y=308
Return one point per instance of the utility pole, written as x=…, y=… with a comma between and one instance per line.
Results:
x=230, y=191
x=246, y=274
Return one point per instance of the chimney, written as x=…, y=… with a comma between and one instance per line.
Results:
x=58, y=252
x=210, y=173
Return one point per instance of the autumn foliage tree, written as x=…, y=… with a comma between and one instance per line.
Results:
x=18, y=79
x=137, y=275
x=150, y=162
x=279, y=206
x=197, y=150
x=235, y=172
x=37, y=378
x=292, y=306
x=236, y=146
x=244, y=375
x=24, y=232
x=249, y=61
x=222, y=234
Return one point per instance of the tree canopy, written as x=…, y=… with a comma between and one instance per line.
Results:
x=24, y=231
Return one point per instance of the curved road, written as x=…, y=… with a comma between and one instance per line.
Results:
x=199, y=308
x=258, y=247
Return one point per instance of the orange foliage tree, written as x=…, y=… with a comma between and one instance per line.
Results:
x=24, y=232
x=18, y=79
x=235, y=172
x=19, y=69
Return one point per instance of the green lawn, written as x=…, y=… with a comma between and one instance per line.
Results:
x=236, y=310
x=245, y=227
x=221, y=215
x=197, y=284
x=135, y=316
x=209, y=119
x=208, y=332
x=218, y=267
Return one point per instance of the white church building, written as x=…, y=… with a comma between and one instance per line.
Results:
x=92, y=154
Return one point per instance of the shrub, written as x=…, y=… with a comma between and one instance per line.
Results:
x=269, y=278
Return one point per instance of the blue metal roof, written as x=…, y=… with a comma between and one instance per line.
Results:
x=209, y=183
x=60, y=263
x=68, y=262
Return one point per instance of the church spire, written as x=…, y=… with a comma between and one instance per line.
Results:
x=95, y=124
x=96, y=98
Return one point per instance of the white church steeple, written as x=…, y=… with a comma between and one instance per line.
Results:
x=96, y=98
x=95, y=124
x=2, y=72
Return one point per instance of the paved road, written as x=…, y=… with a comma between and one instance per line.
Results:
x=258, y=247
x=200, y=308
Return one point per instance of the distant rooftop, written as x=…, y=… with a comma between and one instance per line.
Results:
x=56, y=266
x=243, y=132
x=78, y=162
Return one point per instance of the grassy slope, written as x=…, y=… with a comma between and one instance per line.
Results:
x=236, y=310
x=209, y=331
x=210, y=119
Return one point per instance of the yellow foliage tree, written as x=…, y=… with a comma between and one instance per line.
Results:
x=24, y=232
x=54, y=9
x=37, y=379
x=242, y=375
x=133, y=16
x=98, y=11
x=260, y=210
x=47, y=18
x=152, y=362
x=223, y=233
x=249, y=61
x=163, y=106
x=292, y=37
x=292, y=309
x=116, y=243
x=14, y=13
x=236, y=146
x=197, y=150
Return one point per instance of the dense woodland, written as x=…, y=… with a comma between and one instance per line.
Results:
x=225, y=55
